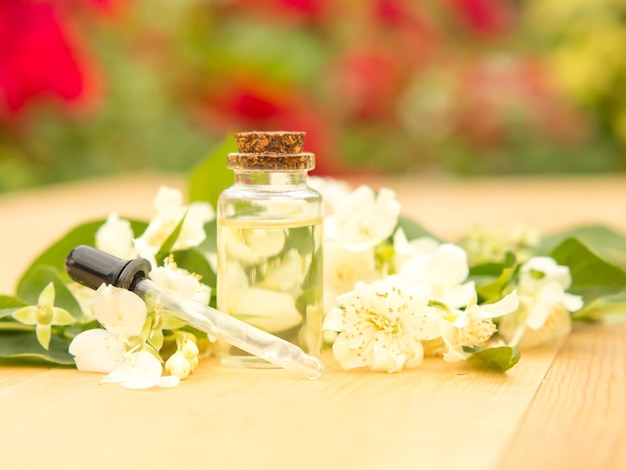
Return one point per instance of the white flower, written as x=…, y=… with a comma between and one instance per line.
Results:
x=115, y=237
x=382, y=325
x=181, y=281
x=473, y=326
x=344, y=266
x=543, y=313
x=120, y=349
x=170, y=211
x=333, y=191
x=140, y=370
x=363, y=218
x=405, y=249
x=443, y=272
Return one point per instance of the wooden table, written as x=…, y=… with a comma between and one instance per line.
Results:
x=562, y=406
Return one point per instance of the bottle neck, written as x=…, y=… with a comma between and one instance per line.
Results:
x=271, y=179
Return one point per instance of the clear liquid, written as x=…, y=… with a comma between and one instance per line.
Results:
x=270, y=275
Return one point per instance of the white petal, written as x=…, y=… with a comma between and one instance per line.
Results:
x=364, y=220
x=504, y=306
x=169, y=381
x=450, y=261
x=167, y=198
x=418, y=357
x=551, y=270
x=120, y=311
x=549, y=297
x=572, y=302
x=137, y=370
x=333, y=320
x=192, y=232
x=344, y=265
x=347, y=357
x=449, y=333
x=425, y=323
x=386, y=359
x=97, y=350
x=459, y=296
x=115, y=236
x=144, y=250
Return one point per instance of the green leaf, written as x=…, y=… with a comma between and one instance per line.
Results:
x=24, y=346
x=166, y=248
x=498, y=288
x=608, y=243
x=413, y=230
x=301, y=239
x=592, y=276
x=501, y=358
x=487, y=270
x=211, y=176
x=602, y=307
x=37, y=278
x=83, y=234
x=195, y=262
x=11, y=302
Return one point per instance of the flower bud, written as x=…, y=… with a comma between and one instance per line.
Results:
x=178, y=366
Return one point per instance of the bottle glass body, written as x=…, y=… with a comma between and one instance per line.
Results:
x=269, y=244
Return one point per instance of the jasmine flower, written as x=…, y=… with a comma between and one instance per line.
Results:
x=44, y=315
x=120, y=349
x=382, y=325
x=544, y=304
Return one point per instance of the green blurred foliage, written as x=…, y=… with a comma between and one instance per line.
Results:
x=464, y=87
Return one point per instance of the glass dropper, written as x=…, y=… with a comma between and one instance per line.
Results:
x=92, y=268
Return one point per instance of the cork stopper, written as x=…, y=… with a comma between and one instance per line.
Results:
x=270, y=151
x=278, y=142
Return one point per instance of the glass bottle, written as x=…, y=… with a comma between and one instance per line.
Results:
x=269, y=243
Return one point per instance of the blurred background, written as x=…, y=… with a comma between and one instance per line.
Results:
x=442, y=87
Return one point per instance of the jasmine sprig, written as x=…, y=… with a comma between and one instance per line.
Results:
x=44, y=315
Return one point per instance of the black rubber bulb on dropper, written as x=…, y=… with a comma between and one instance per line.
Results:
x=92, y=268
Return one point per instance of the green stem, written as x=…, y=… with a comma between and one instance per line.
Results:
x=10, y=326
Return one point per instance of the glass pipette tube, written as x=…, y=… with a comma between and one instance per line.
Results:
x=226, y=328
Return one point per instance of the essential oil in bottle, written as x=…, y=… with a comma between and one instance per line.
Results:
x=269, y=243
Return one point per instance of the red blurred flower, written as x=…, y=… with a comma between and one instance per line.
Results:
x=403, y=26
x=485, y=17
x=36, y=56
x=239, y=105
x=366, y=83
